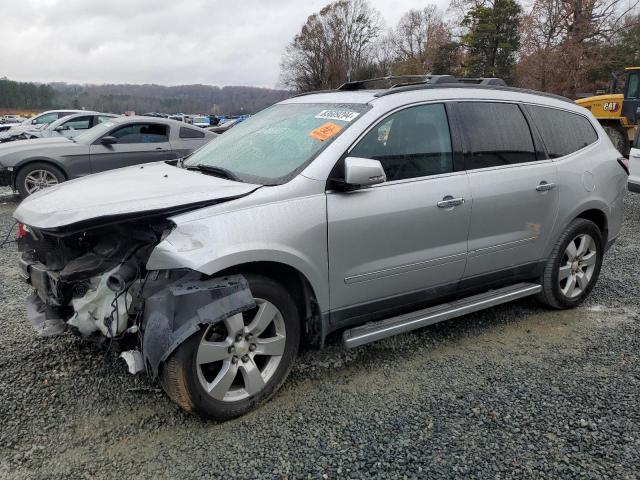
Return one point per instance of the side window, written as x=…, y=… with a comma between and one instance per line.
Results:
x=562, y=132
x=142, y=133
x=48, y=118
x=413, y=142
x=633, y=88
x=101, y=119
x=191, y=133
x=79, y=123
x=496, y=133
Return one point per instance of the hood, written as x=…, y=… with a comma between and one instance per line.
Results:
x=125, y=192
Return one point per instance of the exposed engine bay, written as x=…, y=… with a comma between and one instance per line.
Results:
x=92, y=278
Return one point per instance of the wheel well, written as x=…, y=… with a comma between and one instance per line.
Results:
x=296, y=283
x=599, y=218
x=39, y=160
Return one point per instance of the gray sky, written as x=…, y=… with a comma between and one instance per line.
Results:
x=224, y=42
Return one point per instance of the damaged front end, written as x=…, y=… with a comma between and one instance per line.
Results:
x=95, y=282
x=90, y=279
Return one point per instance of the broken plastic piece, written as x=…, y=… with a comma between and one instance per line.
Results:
x=134, y=360
x=44, y=319
x=175, y=308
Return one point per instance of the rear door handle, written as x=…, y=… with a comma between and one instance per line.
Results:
x=545, y=187
x=449, y=202
x=160, y=149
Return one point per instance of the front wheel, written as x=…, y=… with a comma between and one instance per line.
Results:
x=573, y=266
x=227, y=369
x=37, y=176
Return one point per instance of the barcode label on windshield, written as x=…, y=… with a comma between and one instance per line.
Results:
x=342, y=115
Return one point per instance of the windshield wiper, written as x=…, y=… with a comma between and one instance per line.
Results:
x=217, y=171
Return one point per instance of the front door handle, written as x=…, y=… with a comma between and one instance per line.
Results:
x=450, y=202
x=160, y=149
x=545, y=187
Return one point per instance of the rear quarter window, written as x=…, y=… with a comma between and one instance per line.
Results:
x=562, y=132
x=186, y=132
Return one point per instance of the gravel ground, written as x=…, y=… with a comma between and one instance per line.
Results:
x=515, y=391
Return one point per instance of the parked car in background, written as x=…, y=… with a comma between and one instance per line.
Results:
x=69, y=126
x=374, y=212
x=31, y=165
x=44, y=118
x=201, y=121
x=12, y=119
x=634, y=164
x=225, y=125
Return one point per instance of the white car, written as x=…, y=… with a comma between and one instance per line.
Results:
x=45, y=118
x=69, y=126
x=634, y=164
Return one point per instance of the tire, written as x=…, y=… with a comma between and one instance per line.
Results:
x=583, y=269
x=618, y=138
x=187, y=374
x=30, y=173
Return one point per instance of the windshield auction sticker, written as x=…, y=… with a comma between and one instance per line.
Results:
x=325, y=131
x=342, y=115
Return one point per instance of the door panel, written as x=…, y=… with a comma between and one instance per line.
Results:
x=512, y=218
x=138, y=143
x=393, y=239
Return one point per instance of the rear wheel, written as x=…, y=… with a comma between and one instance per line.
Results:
x=229, y=368
x=37, y=176
x=574, y=265
x=618, y=138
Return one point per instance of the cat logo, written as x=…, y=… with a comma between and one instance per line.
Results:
x=610, y=106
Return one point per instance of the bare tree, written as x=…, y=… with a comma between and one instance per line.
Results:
x=562, y=41
x=334, y=46
x=417, y=39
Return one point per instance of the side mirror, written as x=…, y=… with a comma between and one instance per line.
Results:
x=61, y=128
x=108, y=140
x=363, y=172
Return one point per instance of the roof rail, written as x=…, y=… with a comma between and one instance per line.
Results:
x=404, y=79
x=411, y=87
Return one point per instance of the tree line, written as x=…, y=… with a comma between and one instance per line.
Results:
x=569, y=47
x=119, y=98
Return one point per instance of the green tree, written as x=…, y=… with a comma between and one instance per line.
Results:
x=492, y=39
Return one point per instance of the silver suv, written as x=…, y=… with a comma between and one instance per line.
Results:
x=371, y=212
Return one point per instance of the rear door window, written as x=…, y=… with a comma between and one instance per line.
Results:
x=142, y=133
x=414, y=142
x=496, y=134
x=562, y=132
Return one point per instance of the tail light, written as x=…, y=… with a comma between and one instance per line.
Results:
x=22, y=231
x=624, y=163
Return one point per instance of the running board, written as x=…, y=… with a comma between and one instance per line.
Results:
x=389, y=327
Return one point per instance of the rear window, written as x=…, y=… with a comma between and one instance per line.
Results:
x=191, y=133
x=496, y=134
x=562, y=132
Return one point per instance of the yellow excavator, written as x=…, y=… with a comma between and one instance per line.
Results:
x=618, y=113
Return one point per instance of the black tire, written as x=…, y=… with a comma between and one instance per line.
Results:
x=618, y=138
x=179, y=375
x=552, y=294
x=25, y=171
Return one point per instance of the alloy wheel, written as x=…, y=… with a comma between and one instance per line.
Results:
x=235, y=359
x=578, y=265
x=39, y=179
